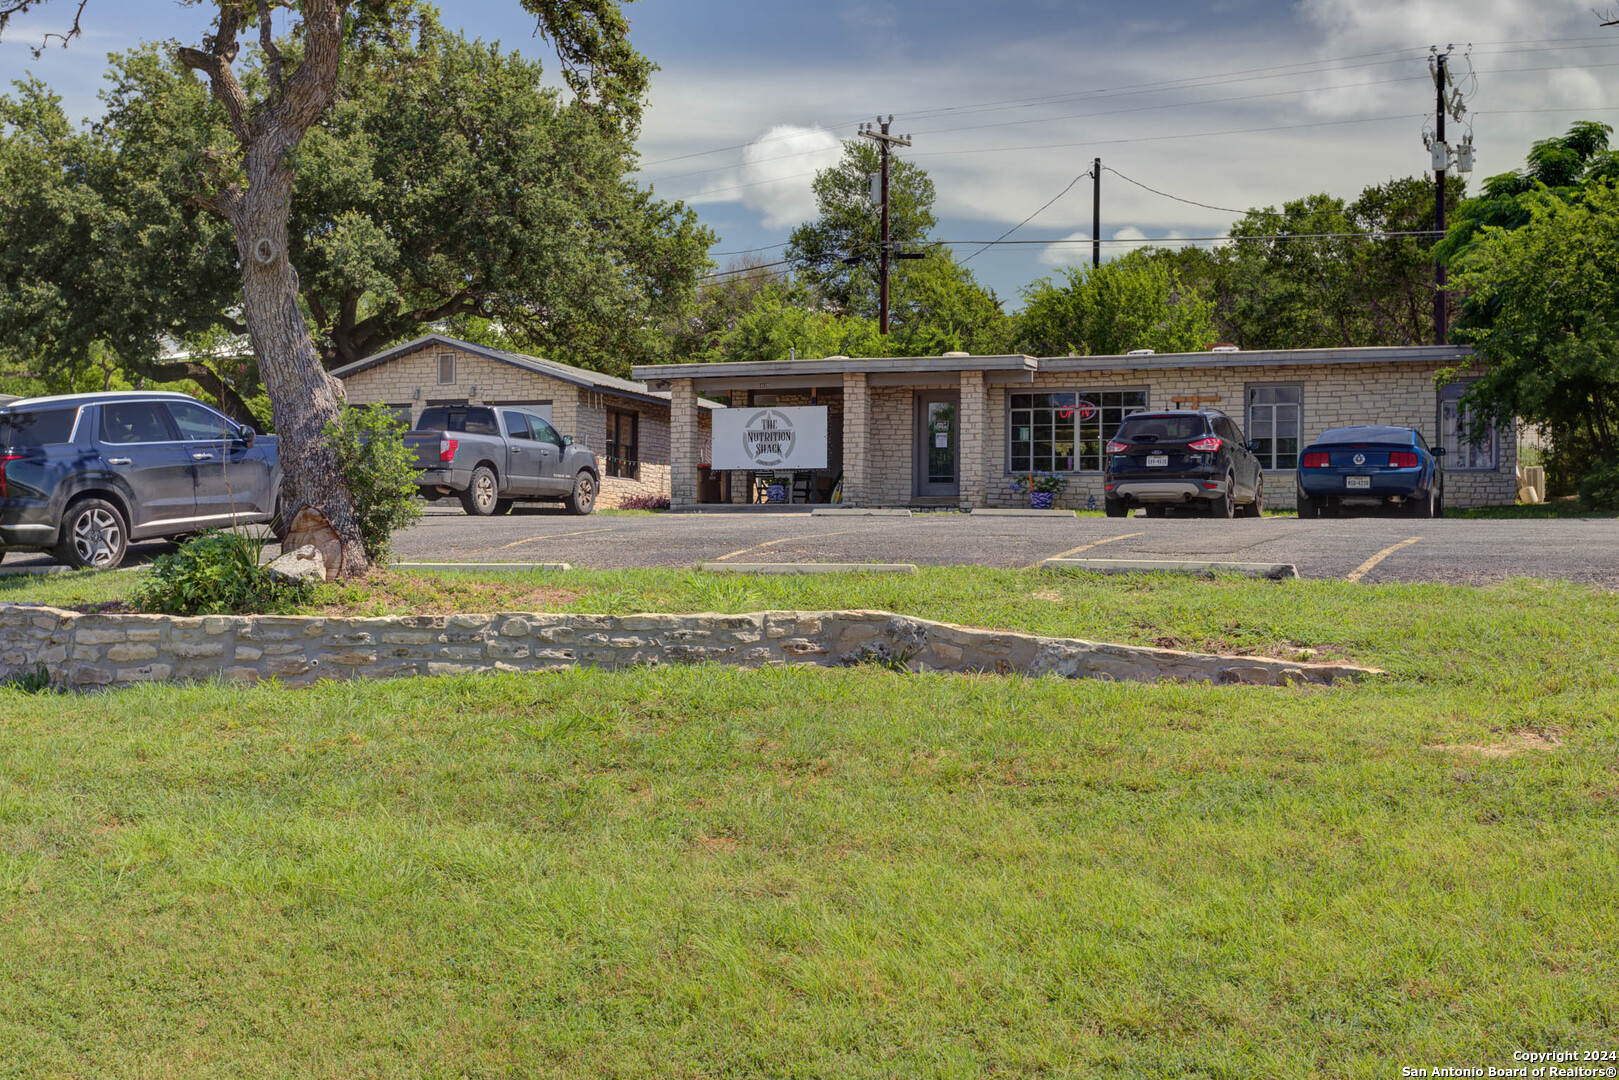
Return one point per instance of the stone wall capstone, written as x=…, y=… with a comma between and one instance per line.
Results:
x=99, y=650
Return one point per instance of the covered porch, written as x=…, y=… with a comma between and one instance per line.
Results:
x=905, y=431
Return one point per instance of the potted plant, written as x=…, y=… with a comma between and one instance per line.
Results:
x=1041, y=487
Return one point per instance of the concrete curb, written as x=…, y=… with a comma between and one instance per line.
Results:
x=806, y=568
x=517, y=567
x=1197, y=567
x=979, y=511
x=855, y=511
x=11, y=571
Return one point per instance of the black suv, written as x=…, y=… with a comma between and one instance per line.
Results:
x=82, y=475
x=1179, y=457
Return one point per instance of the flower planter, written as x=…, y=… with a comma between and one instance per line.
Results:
x=1041, y=500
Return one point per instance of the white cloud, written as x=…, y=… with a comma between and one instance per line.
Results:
x=776, y=174
x=1067, y=254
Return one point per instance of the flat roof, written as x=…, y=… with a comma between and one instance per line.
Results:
x=829, y=370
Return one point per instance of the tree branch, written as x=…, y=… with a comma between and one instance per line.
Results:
x=309, y=89
x=8, y=8
x=215, y=63
x=267, y=43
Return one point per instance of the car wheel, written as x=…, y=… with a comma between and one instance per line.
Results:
x=1307, y=507
x=1226, y=505
x=583, y=499
x=480, y=498
x=1439, y=502
x=1425, y=507
x=1115, y=507
x=1256, y=508
x=93, y=536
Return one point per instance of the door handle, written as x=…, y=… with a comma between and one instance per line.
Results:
x=202, y=455
x=117, y=461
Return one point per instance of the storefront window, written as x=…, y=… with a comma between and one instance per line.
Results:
x=1065, y=431
x=1462, y=451
x=1274, y=415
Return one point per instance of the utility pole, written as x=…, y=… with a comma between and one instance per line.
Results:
x=884, y=140
x=1096, y=213
x=1447, y=102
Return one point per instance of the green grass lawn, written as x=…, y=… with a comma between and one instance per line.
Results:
x=705, y=872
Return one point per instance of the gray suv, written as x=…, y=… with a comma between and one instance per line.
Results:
x=82, y=475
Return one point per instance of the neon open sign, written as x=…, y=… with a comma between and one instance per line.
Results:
x=1086, y=410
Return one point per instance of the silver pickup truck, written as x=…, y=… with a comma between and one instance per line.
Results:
x=493, y=456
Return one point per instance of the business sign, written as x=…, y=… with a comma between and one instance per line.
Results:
x=770, y=438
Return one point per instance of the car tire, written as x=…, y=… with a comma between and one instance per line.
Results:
x=1256, y=506
x=1308, y=508
x=582, y=500
x=482, y=494
x=1115, y=507
x=93, y=536
x=1439, y=502
x=1425, y=507
x=1226, y=505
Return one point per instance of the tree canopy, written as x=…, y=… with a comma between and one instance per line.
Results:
x=1135, y=302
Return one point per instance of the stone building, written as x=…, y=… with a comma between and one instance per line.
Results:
x=624, y=422
x=953, y=430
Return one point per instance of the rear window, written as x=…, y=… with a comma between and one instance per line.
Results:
x=470, y=419
x=31, y=430
x=1161, y=428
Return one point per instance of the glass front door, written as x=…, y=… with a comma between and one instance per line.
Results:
x=937, y=471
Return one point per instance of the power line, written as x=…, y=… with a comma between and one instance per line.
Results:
x=1167, y=195
x=1228, y=238
x=1028, y=219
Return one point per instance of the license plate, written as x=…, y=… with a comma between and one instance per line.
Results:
x=1157, y=461
x=1357, y=481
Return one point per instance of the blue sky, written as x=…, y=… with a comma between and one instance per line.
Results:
x=1233, y=103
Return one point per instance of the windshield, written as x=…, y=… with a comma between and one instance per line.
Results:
x=31, y=430
x=1161, y=428
x=474, y=420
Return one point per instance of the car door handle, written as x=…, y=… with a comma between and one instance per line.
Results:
x=117, y=461
x=202, y=455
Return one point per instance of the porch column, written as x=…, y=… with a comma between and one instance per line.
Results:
x=856, y=438
x=972, y=428
x=683, y=444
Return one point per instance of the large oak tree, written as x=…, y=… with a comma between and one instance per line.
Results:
x=247, y=181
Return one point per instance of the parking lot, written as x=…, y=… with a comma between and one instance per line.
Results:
x=1447, y=550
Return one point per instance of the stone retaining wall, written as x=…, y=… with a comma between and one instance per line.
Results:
x=119, y=650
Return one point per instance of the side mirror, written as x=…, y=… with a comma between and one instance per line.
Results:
x=248, y=435
x=1439, y=451
x=567, y=440
x=1253, y=445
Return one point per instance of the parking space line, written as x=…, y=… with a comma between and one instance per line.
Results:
x=1083, y=547
x=782, y=540
x=1365, y=567
x=549, y=536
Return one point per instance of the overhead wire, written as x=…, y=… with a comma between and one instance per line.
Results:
x=1167, y=195
x=1030, y=218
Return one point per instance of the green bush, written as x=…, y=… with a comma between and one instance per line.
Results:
x=1600, y=488
x=218, y=573
x=380, y=473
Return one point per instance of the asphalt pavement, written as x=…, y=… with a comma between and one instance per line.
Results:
x=1371, y=548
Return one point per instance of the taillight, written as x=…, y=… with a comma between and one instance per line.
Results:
x=1404, y=459
x=1318, y=459
x=4, y=461
x=1116, y=447
x=446, y=449
x=1208, y=444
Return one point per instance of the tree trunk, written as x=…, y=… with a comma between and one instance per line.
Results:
x=304, y=397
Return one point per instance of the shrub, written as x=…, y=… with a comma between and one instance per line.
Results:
x=218, y=573
x=1600, y=488
x=645, y=502
x=380, y=474
x=1025, y=483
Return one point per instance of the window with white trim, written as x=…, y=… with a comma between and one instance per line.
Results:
x=1456, y=434
x=446, y=369
x=1275, y=413
x=1065, y=430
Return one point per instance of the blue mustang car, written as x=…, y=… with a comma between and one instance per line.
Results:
x=1373, y=465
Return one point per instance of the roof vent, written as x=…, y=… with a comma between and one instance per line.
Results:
x=1224, y=348
x=1139, y=352
x=838, y=356
x=956, y=354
